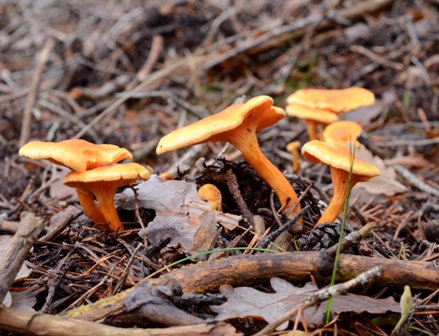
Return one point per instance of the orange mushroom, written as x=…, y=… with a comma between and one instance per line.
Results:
x=338, y=101
x=210, y=193
x=77, y=154
x=313, y=117
x=103, y=183
x=238, y=125
x=342, y=132
x=166, y=176
x=338, y=160
x=292, y=147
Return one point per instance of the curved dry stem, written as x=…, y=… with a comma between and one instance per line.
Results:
x=244, y=138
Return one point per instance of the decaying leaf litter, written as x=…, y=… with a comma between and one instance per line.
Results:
x=127, y=74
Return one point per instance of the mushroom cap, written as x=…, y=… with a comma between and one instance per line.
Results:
x=320, y=115
x=210, y=193
x=76, y=154
x=211, y=127
x=120, y=174
x=343, y=100
x=340, y=132
x=338, y=157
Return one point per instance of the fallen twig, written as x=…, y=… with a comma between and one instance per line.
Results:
x=414, y=181
x=26, y=125
x=33, y=323
x=18, y=251
x=292, y=266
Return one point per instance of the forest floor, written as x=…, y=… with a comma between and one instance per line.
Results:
x=128, y=73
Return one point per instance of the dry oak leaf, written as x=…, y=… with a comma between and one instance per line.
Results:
x=243, y=302
x=178, y=209
x=386, y=183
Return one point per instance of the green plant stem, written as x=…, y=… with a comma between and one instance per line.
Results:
x=343, y=225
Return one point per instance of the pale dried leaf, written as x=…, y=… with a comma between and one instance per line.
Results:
x=59, y=189
x=205, y=233
x=7, y=301
x=386, y=183
x=27, y=298
x=178, y=209
x=245, y=302
x=364, y=115
x=409, y=162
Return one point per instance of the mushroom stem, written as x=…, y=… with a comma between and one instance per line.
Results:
x=292, y=148
x=244, y=138
x=106, y=203
x=321, y=130
x=340, y=181
x=90, y=207
x=311, y=127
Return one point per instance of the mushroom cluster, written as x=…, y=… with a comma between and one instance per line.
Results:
x=95, y=173
x=320, y=108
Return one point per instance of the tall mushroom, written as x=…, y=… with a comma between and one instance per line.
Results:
x=338, y=101
x=313, y=117
x=238, y=125
x=338, y=159
x=103, y=183
x=78, y=155
x=342, y=132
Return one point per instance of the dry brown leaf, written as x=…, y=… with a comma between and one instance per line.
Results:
x=245, y=302
x=27, y=298
x=205, y=234
x=178, y=209
x=386, y=183
x=408, y=162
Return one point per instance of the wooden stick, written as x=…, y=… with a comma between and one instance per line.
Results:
x=34, y=323
x=31, y=99
x=293, y=266
x=18, y=251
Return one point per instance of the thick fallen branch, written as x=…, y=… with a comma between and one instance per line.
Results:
x=294, y=266
x=18, y=250
x=33, y=323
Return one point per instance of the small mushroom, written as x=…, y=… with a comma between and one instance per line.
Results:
x=338, y=160
x=77, y=154
x=342, y=132
x=103, y=183
x=166, y=176
x=210, y=193
x=238, y=125
x=338, y=101
x=292, y=147
x=313, y=117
